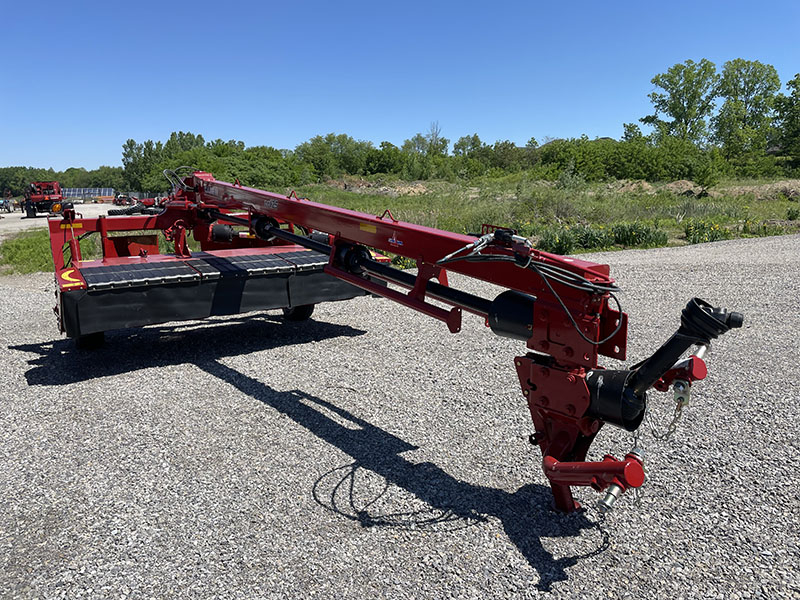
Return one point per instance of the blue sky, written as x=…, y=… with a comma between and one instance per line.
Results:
x=77, y=78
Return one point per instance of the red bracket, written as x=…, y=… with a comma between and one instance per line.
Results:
x=691, y=369
x=451, y=317
x=177, y=233
x=425, y=272
x=391, y=216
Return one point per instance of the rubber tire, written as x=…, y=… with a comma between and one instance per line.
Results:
x=30, y=213
x=298, y=313
x=91, y=341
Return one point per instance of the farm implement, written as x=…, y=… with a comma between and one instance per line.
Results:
x=43, y=197
x=261, y=250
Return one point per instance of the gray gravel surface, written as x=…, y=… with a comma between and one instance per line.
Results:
x=14, y=222
x=369, y=453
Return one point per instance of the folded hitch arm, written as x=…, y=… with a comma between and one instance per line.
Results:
x=564, y=309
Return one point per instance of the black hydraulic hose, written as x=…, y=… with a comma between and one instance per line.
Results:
x=470, y=302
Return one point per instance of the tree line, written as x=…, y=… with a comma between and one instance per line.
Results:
x=706, y=123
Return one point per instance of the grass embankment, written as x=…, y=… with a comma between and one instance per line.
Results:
x=566, y=218
x=576, y=216
x=26, y=252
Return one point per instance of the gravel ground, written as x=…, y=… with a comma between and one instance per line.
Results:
x=11, y=223
x=369, y=453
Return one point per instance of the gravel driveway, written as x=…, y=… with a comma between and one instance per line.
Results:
x=14, y=222
x=368, y=453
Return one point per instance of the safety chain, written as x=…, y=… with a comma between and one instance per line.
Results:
x=681, y=401
x=673, y=424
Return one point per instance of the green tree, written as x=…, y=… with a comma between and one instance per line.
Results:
x=332, y=155
x=506, y=156
x=105, y=176
x=530, y=153
x=468, y=145
x=788, y=120
x=138, y=160
x=743, y=122
x=418, y=144
x=631, y=133
x=688, y=95
x=75, y=177
x=708, y=169
x=386, y=159
x=180, y=142
x=429, y=144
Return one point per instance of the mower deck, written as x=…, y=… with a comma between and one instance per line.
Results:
x=135, y=291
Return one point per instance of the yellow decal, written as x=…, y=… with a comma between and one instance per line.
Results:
x=67, y=276
x=72, y=226
x=368, y=228
x=68, y=285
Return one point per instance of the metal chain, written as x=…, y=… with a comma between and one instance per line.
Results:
x=638, y=493
x=673, y=424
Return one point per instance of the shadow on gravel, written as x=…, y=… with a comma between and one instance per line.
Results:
x=60, y=363
x=449, y=502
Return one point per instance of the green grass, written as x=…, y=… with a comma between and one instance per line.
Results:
x=26, y=252
x=29, y=251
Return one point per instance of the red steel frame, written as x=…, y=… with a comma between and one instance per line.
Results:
x=557, y=394
x=553, y=375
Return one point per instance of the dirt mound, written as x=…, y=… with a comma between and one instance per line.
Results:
x=410, y=189
x=636, y=187
x=684, y=187
x=787, y=190
x=393, y=189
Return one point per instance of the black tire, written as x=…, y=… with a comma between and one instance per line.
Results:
x=298, y=313
x=30, y=213
x=131, y=210
x=91, y=341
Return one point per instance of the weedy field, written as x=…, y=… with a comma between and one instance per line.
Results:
x=570, y=215
x=566, y=216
